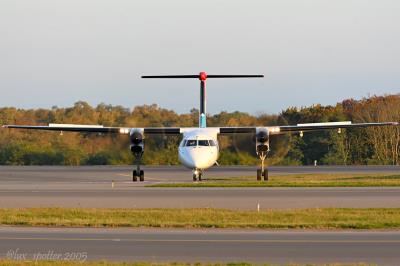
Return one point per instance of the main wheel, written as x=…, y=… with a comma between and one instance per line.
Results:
x=200, y=176
x=134, y=176
x=265, y=174
x=259, y=174
x=194, y=177
x=141, y=176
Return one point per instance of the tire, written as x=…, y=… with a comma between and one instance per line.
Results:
x=258, y=174
x=265, y=174
x=141, y=176
x=134, y=176
x=200, y=177
x=194, y=178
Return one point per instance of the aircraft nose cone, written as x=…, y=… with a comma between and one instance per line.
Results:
x=191, y=161
x=197, y=158
x=194, y=158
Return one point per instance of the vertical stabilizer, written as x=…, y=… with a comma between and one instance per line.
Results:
x=203, y=113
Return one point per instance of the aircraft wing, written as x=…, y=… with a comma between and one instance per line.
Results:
x=97, y=129
x=276, y=130
x=273, y=130
x=332, y=125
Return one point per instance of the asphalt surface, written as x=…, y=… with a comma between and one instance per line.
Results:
x=92, y=187
x=381, y=248
x=165, y=174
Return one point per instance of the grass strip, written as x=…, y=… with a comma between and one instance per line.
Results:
x=326, y=218
x=297, y=180
x=76, y=263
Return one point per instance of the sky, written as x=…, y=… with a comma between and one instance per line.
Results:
x=57, y=52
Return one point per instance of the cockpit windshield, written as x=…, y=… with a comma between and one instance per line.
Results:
x=194, y=143
x=191, y=142
x=204, y=143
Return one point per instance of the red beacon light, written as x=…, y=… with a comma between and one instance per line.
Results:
x=202, y=76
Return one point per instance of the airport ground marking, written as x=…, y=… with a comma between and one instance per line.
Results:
x=147, y=178
x=207, y=240
x=296, y=180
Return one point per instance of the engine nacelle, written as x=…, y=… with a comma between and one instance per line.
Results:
x=136, y=136
x=262, y=140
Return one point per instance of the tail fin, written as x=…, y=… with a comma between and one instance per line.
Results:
x=202, y=76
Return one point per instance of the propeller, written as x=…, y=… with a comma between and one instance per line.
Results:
x=279, y=144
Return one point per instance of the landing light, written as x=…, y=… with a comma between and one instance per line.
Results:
x=274, y=129
x=124, y=130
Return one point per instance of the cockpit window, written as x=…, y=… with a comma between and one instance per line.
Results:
x=203, y=143
x=191, y=142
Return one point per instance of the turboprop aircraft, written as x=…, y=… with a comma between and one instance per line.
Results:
x=199, y=149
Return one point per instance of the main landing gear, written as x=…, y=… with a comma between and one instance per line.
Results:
x=263, y=172
x=138, y=174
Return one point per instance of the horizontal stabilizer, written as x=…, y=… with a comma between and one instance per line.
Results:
x=171, y=77
x=235, y=76
x=201, y=76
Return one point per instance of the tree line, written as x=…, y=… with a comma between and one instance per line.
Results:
x=380, y=145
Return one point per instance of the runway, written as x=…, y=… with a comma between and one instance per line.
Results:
x=281, y=247
x=91, y=187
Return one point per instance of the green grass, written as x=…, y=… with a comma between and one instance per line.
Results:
x=297, y=180
x=72, y=263
x=328, y=218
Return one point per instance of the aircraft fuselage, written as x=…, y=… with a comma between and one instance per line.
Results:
x=199, y=149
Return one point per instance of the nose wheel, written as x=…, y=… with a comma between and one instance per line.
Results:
x=197, y=175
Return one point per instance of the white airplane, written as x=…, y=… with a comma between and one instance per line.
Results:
x=199, y=148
